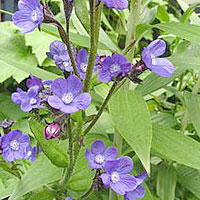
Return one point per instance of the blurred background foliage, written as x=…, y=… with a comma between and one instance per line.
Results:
x=174, y=103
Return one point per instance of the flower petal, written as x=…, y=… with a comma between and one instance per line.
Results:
x=105, y=179
x=119, y=59
x=141, y=177
x=117, y=4
x=107, y=62
x=157, y=47
x=126, y=183
x=104, y=76
x=8, y=155
x=82, y=56
x=163, y=67
x=74, y=85
x=110, y=153
x=55, y=102
x=137, y=193
x=124, y=165
x=98, y=147
x=82, y=101
x=59, y=87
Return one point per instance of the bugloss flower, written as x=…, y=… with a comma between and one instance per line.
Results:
x=52, y=131
x=82, y=62
x=68, y=198
x=34, y=81
x=28, y=100
x=139, y=191
x=160, y=66
x=59, y=53
x=29, y=16
x=14, y=145
x=68, y=97
x=113, y=67
x=117, y=4
x=117, y=175
x=98, y=155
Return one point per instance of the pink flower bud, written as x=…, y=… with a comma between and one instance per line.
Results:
x=52, y=131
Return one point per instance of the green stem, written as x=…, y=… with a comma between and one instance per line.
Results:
x=132, y=24
x=186, y=115
x=6, y=12
x=95, y=20
x=112, y=195
x=104, y=104
x=69, y=171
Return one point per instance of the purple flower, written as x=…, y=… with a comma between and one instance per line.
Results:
x=117, y=4
x=59, y=53
x=160, y=66
x=31, y=153
x=117, y=175
x=68, y=198
x=113, y=67
x=28, y=100
x=14, y=145
x=82, y=62
x=29, y=16
x=139, y=191
x=98, y=155
x=68, y=97
x=34, y=81
x=52, y=131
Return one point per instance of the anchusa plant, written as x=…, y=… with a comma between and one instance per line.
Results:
x=59, y=109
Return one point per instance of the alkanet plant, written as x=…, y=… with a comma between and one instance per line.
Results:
x=65, y=100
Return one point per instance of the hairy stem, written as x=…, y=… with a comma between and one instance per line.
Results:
x=186, y=115
x=95, y=19
x=69, y=171
x=104, y=104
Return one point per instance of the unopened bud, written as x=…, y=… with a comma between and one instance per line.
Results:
x=52, y=131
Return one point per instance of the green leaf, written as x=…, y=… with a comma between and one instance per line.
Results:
x=82, y=13
x=171, y=145
x=154, y=82
x=190, y=178
x=166, y=182
x=52, y=149
x=133, y=122
x=40, y=42
x=192, y=102
x=185, y=31
x=40, y=173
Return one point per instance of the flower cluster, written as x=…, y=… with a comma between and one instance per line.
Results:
x=16, y=146
x=116, y=173
x=29, y=100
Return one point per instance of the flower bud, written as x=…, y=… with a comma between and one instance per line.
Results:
x=52, y=131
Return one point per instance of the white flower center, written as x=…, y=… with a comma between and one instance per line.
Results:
x=34, y=16
x=14, y=145
x=66, y=64
x=153, y=58
x=33, y=101
x=115, y=177
x=68, y=98
x=114, y=68
x=83, y=67
x=29, y=153
x=99, y=159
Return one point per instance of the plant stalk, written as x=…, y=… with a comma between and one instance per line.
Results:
x=104, y=104
x=95, y=20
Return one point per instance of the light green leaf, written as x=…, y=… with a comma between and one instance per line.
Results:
x=166, y=182
x=40, y=173
x=40, y=42
x=176, y=146
x=192, y=102
x=185, y=31
x=154, y=82
x=131, y=118
x=190, y=178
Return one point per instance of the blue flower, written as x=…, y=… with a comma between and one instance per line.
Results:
x=29, y=16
